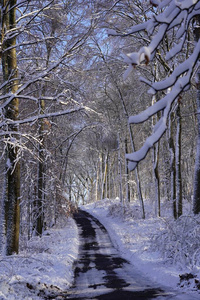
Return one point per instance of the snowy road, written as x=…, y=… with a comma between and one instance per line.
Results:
x=100, y=272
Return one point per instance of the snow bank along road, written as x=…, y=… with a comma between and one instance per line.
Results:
x=100, y=273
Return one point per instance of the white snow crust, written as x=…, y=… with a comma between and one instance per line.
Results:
x=45, y=264
x=136, y=240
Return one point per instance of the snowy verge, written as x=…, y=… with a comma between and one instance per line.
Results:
x=45, y=266
x=135, y=238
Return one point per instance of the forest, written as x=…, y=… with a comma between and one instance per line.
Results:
x=99, y=100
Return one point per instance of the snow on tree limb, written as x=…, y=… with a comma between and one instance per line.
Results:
x=178, y=15
x=45, y=116
x=185, y=4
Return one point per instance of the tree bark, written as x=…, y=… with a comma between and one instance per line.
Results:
x=128, y=192
x=41, y=177
x=120, y=171
x=179, y=200
x=97, y=180
x=104, y=187
x=172, y=167
x=196, y=197
x=139, y=190
x=157, y=178
x=9, y=67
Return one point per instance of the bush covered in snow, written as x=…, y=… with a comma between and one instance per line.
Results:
x=125, y=211
x=43, y=267
x=179, y=241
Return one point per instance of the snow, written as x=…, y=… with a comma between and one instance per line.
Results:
x=197, y=6
x=185, y=4
x=150, y=141
x=127, y=72
x=135, y=239
x=176, y=49
x=45, y=264
x=163, y=3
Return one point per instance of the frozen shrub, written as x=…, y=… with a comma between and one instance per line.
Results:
x=179, y=241
x=124, y=210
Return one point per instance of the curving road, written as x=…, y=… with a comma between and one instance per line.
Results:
x=100, y=272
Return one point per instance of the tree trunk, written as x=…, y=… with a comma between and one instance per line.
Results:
x=156, y=149
x=97, y=180
x=196, y=197
x=41, y=177
x=172, y=167
x=179, y=200
x=9, y=67
x=104, y=187
x=157, y=178
x=139, y=190
x=128, y=193
x=120, y=171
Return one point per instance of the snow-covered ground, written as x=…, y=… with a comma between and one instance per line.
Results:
x=146, y=244
x=46, y=264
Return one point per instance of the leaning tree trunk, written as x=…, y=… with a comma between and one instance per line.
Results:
x=196, y=197
x=9, y=68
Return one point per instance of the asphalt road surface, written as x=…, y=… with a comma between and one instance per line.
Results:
x=100, y=272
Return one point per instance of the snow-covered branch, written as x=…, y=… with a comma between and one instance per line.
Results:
x=45, y=116
x=175, y=15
